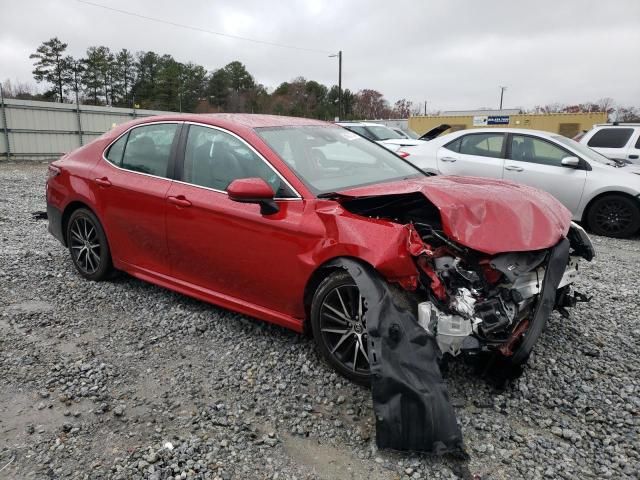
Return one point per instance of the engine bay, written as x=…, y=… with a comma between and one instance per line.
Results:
x=469, y=301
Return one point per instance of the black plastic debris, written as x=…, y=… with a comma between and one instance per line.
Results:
x=39, y=215
x=410, y=398
x=555, y=268
x=499, y=369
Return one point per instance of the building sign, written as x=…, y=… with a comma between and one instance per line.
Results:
x=480, y=121
x=498, y=120
x=484, y=120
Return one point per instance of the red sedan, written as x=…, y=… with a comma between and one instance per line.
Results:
x=255, y=212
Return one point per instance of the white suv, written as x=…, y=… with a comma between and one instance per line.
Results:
x=618, y=141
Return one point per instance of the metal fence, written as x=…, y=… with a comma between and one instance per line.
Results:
x=33, y=130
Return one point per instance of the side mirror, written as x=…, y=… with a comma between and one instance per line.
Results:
x=253, y=190
x=572, y=162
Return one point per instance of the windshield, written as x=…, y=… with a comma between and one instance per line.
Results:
x=329, y=159
x=362, y=131
x=380, y=132
x=412, y=134
x=584, y=150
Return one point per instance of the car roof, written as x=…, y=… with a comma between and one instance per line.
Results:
x=246, y=120
x=361, y=124
x=540, y=133
x=617, y=124
x=238, y=123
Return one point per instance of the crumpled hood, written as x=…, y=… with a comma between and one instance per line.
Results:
x=491, y=216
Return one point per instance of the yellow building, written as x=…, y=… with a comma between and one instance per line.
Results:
x=567, y=124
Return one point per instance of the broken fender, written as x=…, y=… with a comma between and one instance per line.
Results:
x=410, y=398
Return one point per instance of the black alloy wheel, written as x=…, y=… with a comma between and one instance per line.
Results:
x=88, y=245
x=339, y=326
x=614, y=216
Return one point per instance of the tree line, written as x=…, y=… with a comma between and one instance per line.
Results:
x=159, y=82
x=150, y=80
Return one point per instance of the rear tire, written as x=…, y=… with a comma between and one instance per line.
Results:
x=339, y=327
x=88, y=245
x=614, y=216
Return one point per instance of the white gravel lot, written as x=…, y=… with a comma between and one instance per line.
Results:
x=126, y=380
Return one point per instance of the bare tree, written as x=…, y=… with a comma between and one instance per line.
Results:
x=370, y=104
x=402, y=108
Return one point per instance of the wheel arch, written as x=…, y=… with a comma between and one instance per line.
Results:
x=66, y=215
x=587, y=208
x=314, y=281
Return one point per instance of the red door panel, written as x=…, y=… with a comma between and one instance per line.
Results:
x=133, y=212
x=230, y=248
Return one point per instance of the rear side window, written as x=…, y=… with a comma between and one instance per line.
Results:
x=454, y=146
x=638, y=143
x=148, y=149
x=610, y=138
x=114, y=155
x=482, y=144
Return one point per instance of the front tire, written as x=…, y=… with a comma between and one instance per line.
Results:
x=614, y=216
x=88, y=245
x=339, y=326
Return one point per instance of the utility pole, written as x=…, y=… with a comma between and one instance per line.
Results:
x=339, y=55
x=180, y=92
x=502, y=89
x=425, y=108
x=76, y=88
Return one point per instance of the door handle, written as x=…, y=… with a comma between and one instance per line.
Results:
x=514, y=168
x=103, y=182
x=179, y=201
x=633, y=157
x=448, y=159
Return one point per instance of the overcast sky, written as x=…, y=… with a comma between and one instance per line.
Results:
x=454, y=54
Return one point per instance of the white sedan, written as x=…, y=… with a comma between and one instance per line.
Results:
x=602, y=193
x=381, y=134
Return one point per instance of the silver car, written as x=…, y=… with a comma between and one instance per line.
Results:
x=604, y=194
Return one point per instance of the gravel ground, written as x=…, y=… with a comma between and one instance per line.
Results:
x=126, y=380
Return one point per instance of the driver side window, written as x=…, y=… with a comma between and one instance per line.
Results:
x=536, y=150
x=214, y=159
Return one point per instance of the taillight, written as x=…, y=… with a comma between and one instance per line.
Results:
x=403, y=154
x=52, y=172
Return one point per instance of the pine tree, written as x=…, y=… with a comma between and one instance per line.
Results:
x=52, y=66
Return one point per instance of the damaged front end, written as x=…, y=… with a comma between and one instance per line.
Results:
x=467, y=302
x=477, y=303
x=472, y=301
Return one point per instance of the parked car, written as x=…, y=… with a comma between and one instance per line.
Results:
x=385, y=136
x=601, y=193
x=260, y=214
x=618, y=141
x=409, y=134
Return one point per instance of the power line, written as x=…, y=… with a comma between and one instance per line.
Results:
x=204, y=30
